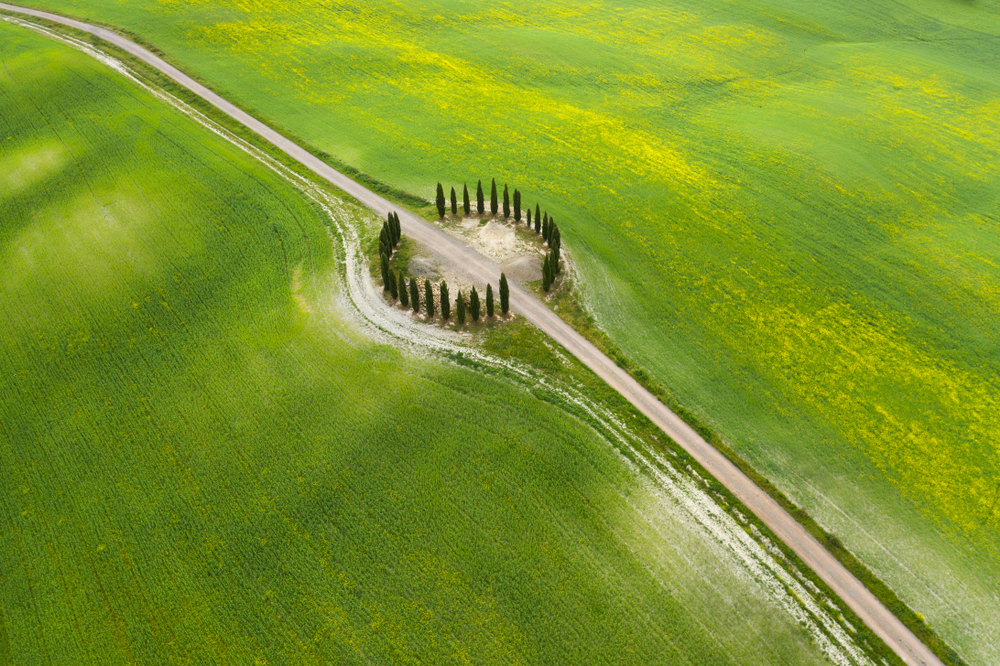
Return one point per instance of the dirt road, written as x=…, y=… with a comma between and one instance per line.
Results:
x=481, y=270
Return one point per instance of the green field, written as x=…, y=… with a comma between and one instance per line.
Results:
x=787, y=212
x=203, y=461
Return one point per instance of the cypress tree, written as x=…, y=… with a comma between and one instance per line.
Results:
x=393, y=289
x=429, y=298
x=517, y=205
x=460, y=308
x=414, y=295
x=383, y=235
x=545, y=226
x=489, y=300
x=399, y=228
x=529, y=218
x=445, y=302
x=504, y=294
x=557, y=250
x=480, y=206
x=454, y=202
x=493, y=198
x=440, y=200
x=506, y=202
x=404, y=298
x=384, y=265
x=546, y=275
x=474, y=304
x=552, y=225
x=465, y=199
x=391, y=225
x=538, y=219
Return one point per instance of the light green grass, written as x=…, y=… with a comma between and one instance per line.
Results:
x=193, y=469
x=787, y=212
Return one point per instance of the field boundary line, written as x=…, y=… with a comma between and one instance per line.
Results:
x=481, y=270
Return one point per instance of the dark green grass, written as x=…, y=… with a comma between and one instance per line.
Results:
x=195, y=470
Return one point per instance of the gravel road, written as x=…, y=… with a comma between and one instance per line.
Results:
x=481, y=270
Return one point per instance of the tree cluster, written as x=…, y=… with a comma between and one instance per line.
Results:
x=512, y=202
x=407, y=292
x=542, y=223
x=549, y=230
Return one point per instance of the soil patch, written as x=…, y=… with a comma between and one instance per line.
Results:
x=523, y=269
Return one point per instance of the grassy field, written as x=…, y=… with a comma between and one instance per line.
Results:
x=786, y=212
x=201, y=461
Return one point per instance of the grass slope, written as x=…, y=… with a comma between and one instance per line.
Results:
x=195, y=469
x=786, y=212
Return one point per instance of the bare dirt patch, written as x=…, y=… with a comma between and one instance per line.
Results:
x=495, y=238
x=523, y=269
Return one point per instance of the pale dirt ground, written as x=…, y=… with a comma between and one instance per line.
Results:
x=519, y=258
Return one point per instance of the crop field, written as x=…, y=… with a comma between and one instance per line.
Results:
x=203, y=461
x=786, y=211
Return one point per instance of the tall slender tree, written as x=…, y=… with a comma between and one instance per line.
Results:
x=440, y=200
x=506, y=202
x=493, y=198
x=399, y=227
x=529, y=218
x=393, y=288
x=454, y=202
x=504, y=294
x=489, y=300
x=384, y=241
x=546, y=274
x=538, y=219
x=429, y=299
x=480, y=206
x=404, y=296
x=545, y=226
x=460, y=308
x=465, y=199
x=517, y=205
x=445, y=301
x=414, y=295
x=384, y=265
x=474, y=304
x=552, y=225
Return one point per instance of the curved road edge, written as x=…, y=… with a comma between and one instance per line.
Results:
x=481, y=270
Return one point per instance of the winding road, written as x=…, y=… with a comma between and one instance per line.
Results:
x=481, y=270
